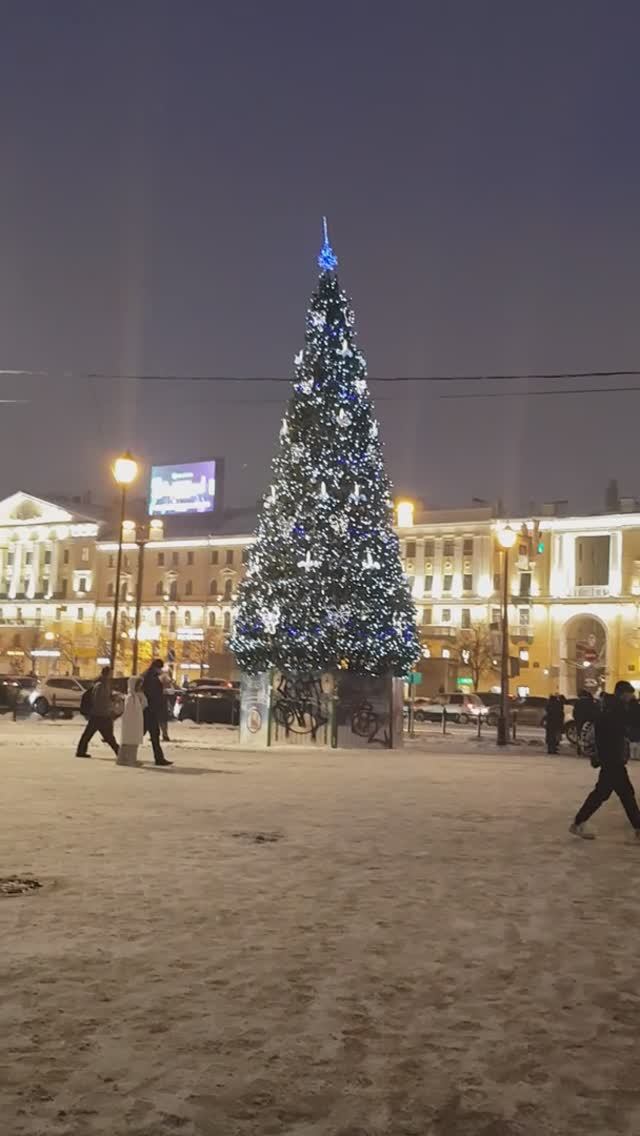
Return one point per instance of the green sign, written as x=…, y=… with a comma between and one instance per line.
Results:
x=414, y=679
x=464, y=681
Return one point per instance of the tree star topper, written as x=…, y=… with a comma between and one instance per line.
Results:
x=327, y=259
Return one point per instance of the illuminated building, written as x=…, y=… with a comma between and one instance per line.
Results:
x=574, y=611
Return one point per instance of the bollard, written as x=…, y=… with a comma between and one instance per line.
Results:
x=479, y=726
x=514, y=717
x=444, y=719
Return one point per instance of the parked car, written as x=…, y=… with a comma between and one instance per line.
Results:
x=459, y=707
x=208, y=704
x=65, y=693
x=14, y=691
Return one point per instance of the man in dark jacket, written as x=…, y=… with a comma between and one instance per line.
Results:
x=554, y=722
x=154, y=691
x=611, y=729
x=100, y=716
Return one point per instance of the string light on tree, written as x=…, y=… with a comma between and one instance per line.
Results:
x=332, y=573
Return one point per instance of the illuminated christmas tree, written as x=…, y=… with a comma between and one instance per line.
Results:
x=324, y=587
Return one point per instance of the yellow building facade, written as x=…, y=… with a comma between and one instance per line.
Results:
x=573, y=595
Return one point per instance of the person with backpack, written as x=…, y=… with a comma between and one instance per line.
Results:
x=607, y=741
x=154, y=693
x=99, y=708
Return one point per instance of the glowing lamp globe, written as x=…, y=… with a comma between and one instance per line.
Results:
x=125, y=469
x=404, y=513
x=507, y=537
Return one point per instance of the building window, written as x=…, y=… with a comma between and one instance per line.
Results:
x=85, y=555
x=80, y=615
x=159, y=588
x=465, y=618
x=226, y=621
x=428, y=583
x=123, y=591
x=187, y=619
x=215, y=556
x=47, y=556
x=228, y=589
x=495, y=614
x=497, y=580
x=112, y=561
x=447, y=583
x=429, y=549
x=190, y=557
x=446, y=615
x=160, y=560
x=245, y=555
x=173, y=590
x=65, y=556
x=172, y=621
x=410, y=582
x=229, y=556
x=428, y=615
x=82, y=584
x=175, y=559
x=467, y=582
x=410, y=549
x=65, y=585
x=38, y=614
x=213, y=588
x=126, y=562
x=188, y=588
x=108, y=618
x=45, y=585
x=158, y=618
x=448, y=549
x=212, y=619
x=525, y=583
x=467, y=546
x=28, y=558
x=524, y=616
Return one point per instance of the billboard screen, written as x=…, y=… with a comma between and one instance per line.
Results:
x=180, y=490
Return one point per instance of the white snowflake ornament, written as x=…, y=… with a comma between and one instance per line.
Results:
x=344, y=419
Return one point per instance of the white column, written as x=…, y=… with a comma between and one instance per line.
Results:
x=615, y=563
x=17, y=570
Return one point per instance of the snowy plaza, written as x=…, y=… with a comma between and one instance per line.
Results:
x=313, y=944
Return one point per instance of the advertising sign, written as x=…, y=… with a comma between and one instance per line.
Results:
x=182, y=490
x=255, y=703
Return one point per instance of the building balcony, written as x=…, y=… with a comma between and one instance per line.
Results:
x=590, y=591
x=439, y=631
x=14, y=621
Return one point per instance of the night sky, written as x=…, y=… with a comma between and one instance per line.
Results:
x=164, y=170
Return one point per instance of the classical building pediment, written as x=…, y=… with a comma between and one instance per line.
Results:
x=22, y=508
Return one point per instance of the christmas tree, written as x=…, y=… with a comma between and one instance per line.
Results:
x=324, y=587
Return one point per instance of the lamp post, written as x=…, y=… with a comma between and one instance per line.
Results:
x=141, y=540
x=125, y=471
x=506, y=540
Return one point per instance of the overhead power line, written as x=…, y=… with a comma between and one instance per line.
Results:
x=116, y=376
x=541, y=393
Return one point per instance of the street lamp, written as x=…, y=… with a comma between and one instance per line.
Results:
x=125, y=471
x=506, y=540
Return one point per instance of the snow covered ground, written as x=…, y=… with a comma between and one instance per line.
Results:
x=312, y=944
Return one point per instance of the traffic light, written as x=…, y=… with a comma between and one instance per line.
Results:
x=540, y=547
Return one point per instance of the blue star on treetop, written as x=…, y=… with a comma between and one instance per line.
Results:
x=327, y=259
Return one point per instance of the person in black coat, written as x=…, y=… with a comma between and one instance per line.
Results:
x=153, y=689
x=612, y=743
x=554, y=722
x=585, y=710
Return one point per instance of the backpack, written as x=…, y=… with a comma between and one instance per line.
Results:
x=86, y=703
x=588, y=744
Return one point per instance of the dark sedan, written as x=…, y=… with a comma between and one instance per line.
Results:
x=209, y=704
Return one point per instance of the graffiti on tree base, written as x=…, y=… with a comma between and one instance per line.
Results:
x=366, y=723
x=300, y=705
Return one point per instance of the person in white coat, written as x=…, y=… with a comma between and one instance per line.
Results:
x=132, y=723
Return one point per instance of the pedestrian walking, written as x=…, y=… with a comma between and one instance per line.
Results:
x=612, y=746
x=154, y=693
x=132, y=731
x=554, y=722
x=101, y=713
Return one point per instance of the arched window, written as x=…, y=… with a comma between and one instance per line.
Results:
x=109, y=618
x=159, y=588
x=212, y=619
x=228, y=589
x=227, y=621
x=158, y=618
x=172, y=621
x=187, y=619
x=188, y=590
x=213, y=588
x=110, y=589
